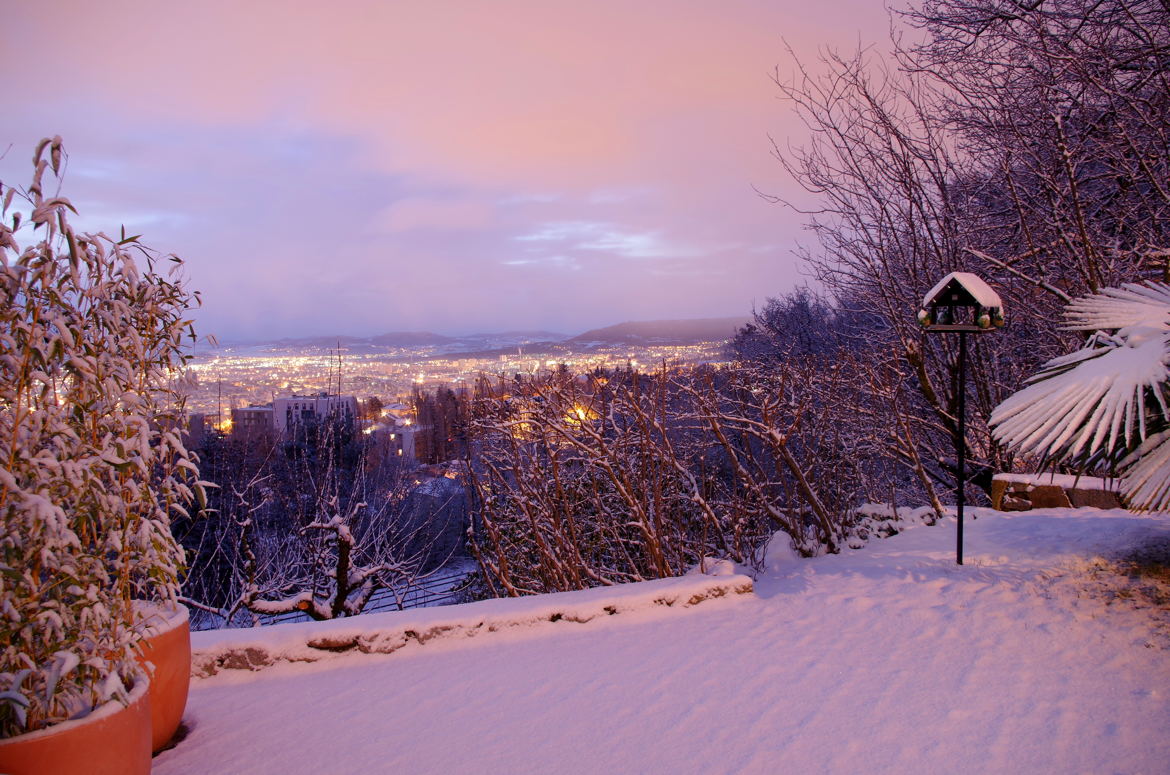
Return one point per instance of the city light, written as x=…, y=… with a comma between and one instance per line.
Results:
x=243, y=379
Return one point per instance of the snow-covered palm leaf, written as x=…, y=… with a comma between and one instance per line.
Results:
x=1133, y=305
x=1097, y=346
x=1147, y=479
x=1108, y=399
x=1095, y=400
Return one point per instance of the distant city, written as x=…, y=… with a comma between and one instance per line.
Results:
x=238, y=375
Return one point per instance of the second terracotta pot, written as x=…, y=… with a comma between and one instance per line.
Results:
x=167, y=646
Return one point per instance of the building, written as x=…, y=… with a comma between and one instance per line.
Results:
x=289, y=413
x=284, y=416
x=253, y=422
x=393, y=439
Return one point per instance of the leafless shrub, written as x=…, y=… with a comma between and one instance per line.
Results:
x=307, y=533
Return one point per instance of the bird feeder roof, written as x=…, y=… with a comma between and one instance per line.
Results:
x=979, y=291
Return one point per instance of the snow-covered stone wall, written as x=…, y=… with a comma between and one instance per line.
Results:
x=256, y=648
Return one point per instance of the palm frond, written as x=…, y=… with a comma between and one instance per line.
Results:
x=1059, y=365
x=1146, y=483
x=1092, y=401
x=1106, y=402
x=1133, y=305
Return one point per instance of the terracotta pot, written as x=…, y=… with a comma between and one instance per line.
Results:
x=166, y=645
x=113, y=740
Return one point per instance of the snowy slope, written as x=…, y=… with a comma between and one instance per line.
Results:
x=885, y=659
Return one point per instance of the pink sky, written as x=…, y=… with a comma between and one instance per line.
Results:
x=361, y=167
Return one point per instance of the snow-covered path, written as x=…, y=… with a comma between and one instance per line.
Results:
x=885, y=659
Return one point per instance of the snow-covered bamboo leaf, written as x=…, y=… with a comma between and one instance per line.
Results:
x=86, y=498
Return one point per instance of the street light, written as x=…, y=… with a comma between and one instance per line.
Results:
x=961, y=303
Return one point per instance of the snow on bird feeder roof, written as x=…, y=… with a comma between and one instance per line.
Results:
x=981, y=292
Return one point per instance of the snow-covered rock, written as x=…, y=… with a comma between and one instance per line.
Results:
x=716, y=566
x=780, y=556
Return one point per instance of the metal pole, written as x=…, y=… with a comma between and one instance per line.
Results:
x=962, y=442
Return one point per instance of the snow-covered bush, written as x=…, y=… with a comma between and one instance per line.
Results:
x=91, y=463
x=582, y=482
x=1105, y=405
x=618, y=476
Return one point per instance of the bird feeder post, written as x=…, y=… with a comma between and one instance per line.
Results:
x=961, y=451
x=961, y=303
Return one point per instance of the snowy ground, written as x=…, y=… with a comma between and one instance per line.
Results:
x=1032, y=658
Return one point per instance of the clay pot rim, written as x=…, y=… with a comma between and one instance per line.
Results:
x=105, y=710
x=157, y=618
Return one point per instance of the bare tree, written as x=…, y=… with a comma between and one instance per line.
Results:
x=305, y=533
x=621, y=476
x=1063, y=105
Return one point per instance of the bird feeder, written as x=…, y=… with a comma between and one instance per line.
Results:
x=961, y=303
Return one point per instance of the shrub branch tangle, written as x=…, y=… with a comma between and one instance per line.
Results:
x=316, y=524
x=620, y=476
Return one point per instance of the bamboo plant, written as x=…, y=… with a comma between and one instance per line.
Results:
x=92, y=464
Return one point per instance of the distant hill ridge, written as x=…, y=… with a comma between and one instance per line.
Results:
x=665, y=331
x=392, y=339
x=410, y=339
x=691, y=331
